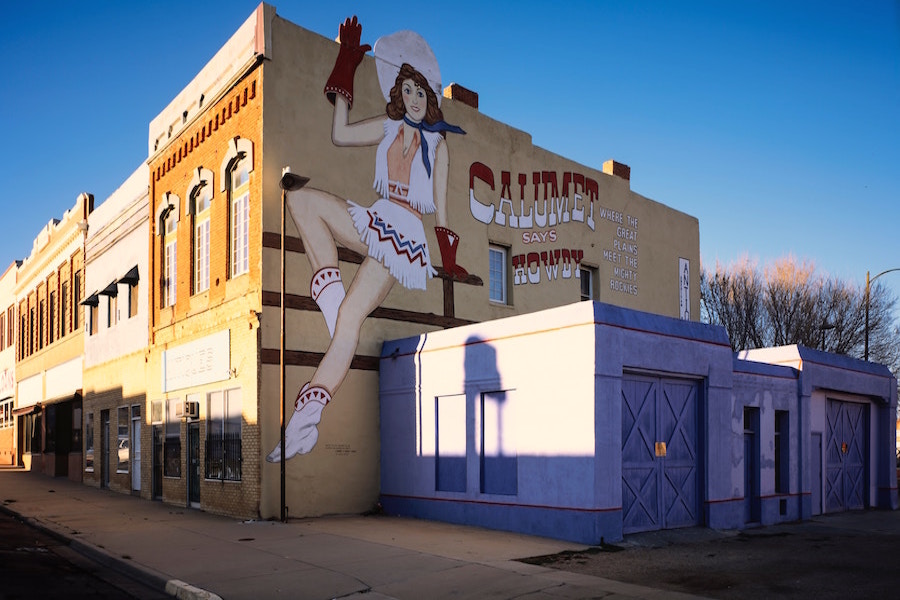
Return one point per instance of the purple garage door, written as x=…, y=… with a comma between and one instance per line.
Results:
x=660, y=454
x=846, y=453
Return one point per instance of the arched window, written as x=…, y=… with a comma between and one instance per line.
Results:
x=171, y=257
x=240, y=219
x=167, y=219
x=236, y=169
x=200, y=193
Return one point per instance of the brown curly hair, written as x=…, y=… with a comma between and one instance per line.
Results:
x=395, y=108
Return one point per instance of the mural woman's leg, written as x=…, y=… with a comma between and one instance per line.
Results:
x=323, y=222
x=368, y=290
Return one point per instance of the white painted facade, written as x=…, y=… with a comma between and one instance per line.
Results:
x=118, y=231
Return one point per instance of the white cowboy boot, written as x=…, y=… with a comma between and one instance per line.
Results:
x=327, y=289
x=301, y=433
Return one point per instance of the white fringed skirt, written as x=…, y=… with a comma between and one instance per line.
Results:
x=395, y=237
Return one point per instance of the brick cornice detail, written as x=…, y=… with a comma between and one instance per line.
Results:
x=232, y=105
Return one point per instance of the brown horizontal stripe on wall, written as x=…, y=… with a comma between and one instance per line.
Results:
x=300, y=358
x=295, y=244
x=296, y=302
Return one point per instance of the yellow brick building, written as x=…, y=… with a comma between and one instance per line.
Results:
x=50, y=346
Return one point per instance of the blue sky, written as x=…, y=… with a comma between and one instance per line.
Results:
x=776, y=124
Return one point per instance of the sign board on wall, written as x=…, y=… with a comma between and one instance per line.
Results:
x=31, y=391
x=202, y=361
x=684, y=288
x=64, y=379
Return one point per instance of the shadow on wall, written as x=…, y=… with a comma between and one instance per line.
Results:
x=473, y=430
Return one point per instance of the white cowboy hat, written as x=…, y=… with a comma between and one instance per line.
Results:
x=391, y=51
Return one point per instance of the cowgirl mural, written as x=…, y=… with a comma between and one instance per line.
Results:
x=411, y=166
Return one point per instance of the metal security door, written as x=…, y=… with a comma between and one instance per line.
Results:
x=846, y=456
x=104, y=448
x=194, y=464
x=660, y=454
x=135, y=448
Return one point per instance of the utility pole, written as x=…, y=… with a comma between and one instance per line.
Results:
x=868, y=289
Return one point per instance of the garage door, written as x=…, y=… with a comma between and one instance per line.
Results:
x=660, y=454
x=846, y=456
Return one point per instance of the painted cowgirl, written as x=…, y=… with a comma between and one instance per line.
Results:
x=411, y=166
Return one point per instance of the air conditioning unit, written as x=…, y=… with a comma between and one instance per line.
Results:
x=191, y=409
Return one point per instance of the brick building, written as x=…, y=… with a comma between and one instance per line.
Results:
x=50, y=346
x=206, y=287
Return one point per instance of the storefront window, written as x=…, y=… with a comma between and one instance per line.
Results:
x=223, y=440
x=6, y=418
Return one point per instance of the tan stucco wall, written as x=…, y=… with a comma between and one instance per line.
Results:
x=298, y=133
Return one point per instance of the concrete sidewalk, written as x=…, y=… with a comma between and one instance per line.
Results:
x=192, y=554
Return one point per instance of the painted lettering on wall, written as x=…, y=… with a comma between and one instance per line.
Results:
x=684, y=288
x=548, y=203
x=199, y=362
x=624, y=256
x=551, y=265
x=541, y=203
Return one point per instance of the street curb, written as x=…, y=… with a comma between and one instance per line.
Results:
x=143, y=574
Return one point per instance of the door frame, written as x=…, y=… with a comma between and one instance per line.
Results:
x=104, y=448
x=136, y=448
x=648, y=475
x=752, y=465
x=846, y=439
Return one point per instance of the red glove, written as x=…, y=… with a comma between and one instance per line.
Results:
x=348, y=59
x=448, y=242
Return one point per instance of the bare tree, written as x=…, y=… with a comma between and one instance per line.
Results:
x=792, y=298
x=732, y=297
x=788, y=302
x=884, y=333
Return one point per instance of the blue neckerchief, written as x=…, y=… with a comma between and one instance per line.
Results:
x=433, y=128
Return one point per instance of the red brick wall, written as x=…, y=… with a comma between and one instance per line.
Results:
x=206, y=144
